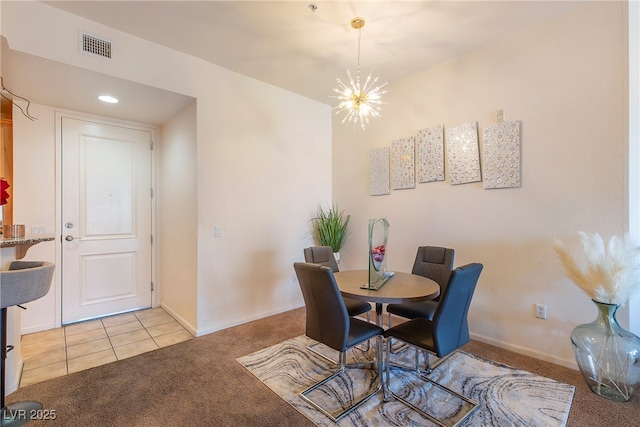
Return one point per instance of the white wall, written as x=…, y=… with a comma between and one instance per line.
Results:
x=565, y=80
x=177, y=216
x=34, y=180
x=261, y=175
x=263, y=163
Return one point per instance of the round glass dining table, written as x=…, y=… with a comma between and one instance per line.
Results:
x=400, y=288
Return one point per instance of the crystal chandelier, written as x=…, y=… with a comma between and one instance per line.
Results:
x=359, y=100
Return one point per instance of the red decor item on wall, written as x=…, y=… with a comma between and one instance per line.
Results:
x=4, y=195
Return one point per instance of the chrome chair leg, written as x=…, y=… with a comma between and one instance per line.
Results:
x=403, y=347
x=312, y=348
x=416, y=366
x=367, y=345
x=388, y=393
x=336, y=417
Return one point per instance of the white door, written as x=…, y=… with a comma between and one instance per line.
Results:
x=106, y=219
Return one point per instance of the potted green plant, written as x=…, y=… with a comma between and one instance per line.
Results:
x=330, y=227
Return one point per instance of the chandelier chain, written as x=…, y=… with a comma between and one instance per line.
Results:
x=359, y=38
x=359, y=100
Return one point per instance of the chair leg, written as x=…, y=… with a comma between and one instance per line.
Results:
x=416, y=365
x=336, y=417
x=403, y=347
x=368, y=341
x=312, y=348
x=388, y=393
x=367, y=345
x=385, y=381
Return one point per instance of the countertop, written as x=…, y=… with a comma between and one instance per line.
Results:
x=26, y=240
x=22, y=244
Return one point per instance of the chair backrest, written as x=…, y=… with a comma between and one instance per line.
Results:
x=434, y=263
x=25, y=281
x=450, y=327
x=322, y=255
x=327, y=317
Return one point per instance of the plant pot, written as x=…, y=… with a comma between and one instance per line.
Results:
x=608, y=355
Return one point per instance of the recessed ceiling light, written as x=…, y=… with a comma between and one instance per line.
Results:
x=108, y=98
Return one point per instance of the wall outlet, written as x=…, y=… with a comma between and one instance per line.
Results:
x=541, y=311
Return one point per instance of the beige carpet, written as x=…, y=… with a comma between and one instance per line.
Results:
x=506, y=396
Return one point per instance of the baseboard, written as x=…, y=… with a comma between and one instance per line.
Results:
x=243, y=320
x=185, y=324
x=568, y=363
x=38, y=328
x=13, y=386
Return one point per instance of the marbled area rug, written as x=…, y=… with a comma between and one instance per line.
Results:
x=507, y=396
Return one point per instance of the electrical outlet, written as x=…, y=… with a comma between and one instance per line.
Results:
x=541, y=311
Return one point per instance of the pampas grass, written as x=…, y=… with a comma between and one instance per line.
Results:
x=612, y=272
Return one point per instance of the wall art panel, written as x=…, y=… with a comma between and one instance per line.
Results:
x=430, y=154
x=463, y=153
x=403, y=164
x=501, y=155
x=379, y=171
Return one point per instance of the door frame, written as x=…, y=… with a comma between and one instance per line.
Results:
x=155, y=132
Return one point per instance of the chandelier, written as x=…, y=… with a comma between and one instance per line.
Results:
x=359, y=100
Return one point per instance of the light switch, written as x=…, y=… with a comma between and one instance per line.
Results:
x=217, y=231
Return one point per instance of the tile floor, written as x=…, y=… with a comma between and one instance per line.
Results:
x=56, y=352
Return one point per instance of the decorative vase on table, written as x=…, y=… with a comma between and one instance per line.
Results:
x=608, y=355
x=378, y=234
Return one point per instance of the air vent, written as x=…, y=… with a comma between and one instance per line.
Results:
x=95, y=46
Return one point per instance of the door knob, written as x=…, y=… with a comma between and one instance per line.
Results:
x=68, y=238
x=68, y=225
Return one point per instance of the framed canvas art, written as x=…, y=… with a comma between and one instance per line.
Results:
x=403, y=166
x=430, y=154
x=379, y=171
x=463, y=153
x=501, y=155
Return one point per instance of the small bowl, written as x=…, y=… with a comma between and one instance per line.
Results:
x=16, y=230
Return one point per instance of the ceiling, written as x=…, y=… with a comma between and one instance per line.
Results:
x=284, y=43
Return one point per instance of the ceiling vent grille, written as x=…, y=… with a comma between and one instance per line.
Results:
x=95, y=46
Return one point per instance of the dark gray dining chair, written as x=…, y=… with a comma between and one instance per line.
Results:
x=434, y=263
x=328, y=322
x=23, y=282
x=441, y=335
x=323, y=255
